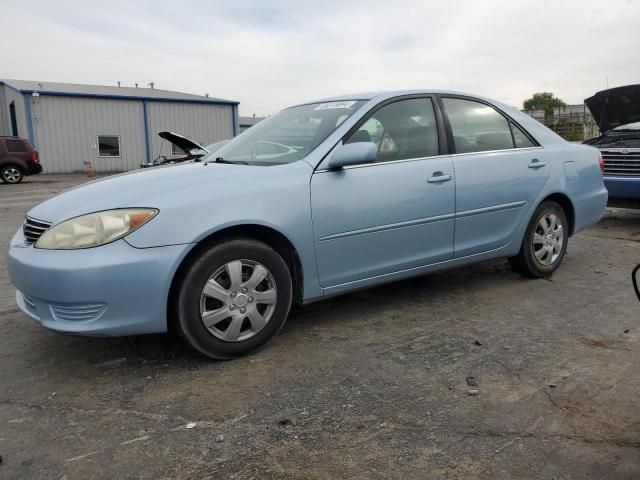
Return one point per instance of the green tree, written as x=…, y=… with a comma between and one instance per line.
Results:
x=546, y=101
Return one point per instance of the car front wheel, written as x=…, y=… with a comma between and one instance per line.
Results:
x=11, y=174
x=234, y=298
x=544, y=243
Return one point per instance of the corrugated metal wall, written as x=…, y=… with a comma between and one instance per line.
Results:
x=66, y=130
x=203, y=123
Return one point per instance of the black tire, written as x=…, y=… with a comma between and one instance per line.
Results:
x=526, y=262
x=11, y=174
x=189, y=320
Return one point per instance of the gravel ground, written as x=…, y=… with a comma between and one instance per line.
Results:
x=368, y=385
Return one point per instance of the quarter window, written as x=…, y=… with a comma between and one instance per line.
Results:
x=477, y=127
x=519, y=138
x=108, y=146
x=401, y=130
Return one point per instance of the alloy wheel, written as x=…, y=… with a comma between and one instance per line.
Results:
x=548, y=239
x=238, y=300
x=11, y=175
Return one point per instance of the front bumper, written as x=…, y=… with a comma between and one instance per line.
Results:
x=111, y=290
x=623, y=187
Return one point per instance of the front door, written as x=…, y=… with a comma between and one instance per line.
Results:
x=499, y=170
x=390, y=216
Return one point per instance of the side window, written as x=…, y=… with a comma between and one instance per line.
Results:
x=477, y=127
x=520, y=139
x=16, y=146
x=401, y=130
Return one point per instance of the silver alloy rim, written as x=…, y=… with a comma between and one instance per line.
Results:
x=548, y=239
x=12, y=174
x=238, y=300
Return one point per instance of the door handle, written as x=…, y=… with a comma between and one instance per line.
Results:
x=439, y=177
x=535, y=163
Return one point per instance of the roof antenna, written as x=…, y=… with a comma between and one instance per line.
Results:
x=40, y=86
x=118, y=83
x=136, y=85
x=206, y=95
x=151, y=84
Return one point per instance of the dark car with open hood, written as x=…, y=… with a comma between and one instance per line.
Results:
x=182, y=149
x=617, y=113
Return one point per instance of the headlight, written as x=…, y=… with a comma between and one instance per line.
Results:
x=95, y=228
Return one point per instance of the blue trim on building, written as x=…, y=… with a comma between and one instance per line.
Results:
x=131, y=97
x=29, y=117
x=234, y=113
x=146, y=130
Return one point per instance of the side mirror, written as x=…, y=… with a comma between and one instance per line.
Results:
x=634, y=278
x=353, y=154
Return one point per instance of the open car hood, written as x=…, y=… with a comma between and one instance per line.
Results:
x=616, y=106
x=186, y=144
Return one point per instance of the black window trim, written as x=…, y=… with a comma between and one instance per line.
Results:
x=440, y=127
x=447, y=125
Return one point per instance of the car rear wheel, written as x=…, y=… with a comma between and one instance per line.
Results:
x=234, y=298
x=544, y=243
x=11, y=174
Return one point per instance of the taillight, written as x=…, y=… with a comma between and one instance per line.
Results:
x=34, y=157
x=601, y=162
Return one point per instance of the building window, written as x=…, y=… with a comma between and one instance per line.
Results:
x=108, y=146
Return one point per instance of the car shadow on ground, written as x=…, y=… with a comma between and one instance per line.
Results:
x=339, y=311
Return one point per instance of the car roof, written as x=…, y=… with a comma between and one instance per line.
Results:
x=384, y=94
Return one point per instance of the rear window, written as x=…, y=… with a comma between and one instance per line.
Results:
x=16, y=146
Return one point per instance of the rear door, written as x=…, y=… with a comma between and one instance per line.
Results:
x=500, y=170
x=390, y=216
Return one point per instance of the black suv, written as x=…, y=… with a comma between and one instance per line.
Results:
x=17, y=159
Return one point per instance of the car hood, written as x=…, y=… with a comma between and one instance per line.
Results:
x=614, y=107
x=152, y=187
x=181, y=141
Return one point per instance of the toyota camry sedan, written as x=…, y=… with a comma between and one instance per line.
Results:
x=362, y=190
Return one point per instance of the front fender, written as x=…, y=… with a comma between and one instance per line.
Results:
x=279, y=200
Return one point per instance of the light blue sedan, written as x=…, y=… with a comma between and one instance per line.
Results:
x=359, y=190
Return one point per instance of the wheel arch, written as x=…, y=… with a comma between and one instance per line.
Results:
x=567, y=205
x=268, y=235
x=12, y=162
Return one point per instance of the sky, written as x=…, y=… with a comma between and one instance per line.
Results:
x=272, y=54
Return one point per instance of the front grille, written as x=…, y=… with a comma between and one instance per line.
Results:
x=33, y=229
x=621, y=162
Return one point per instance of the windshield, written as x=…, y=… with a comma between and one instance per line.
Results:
x=629, y=127
x=288, y=136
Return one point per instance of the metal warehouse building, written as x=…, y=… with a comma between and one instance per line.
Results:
x=116, y=128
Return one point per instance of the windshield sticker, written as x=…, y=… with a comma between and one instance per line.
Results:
x=327, y=106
